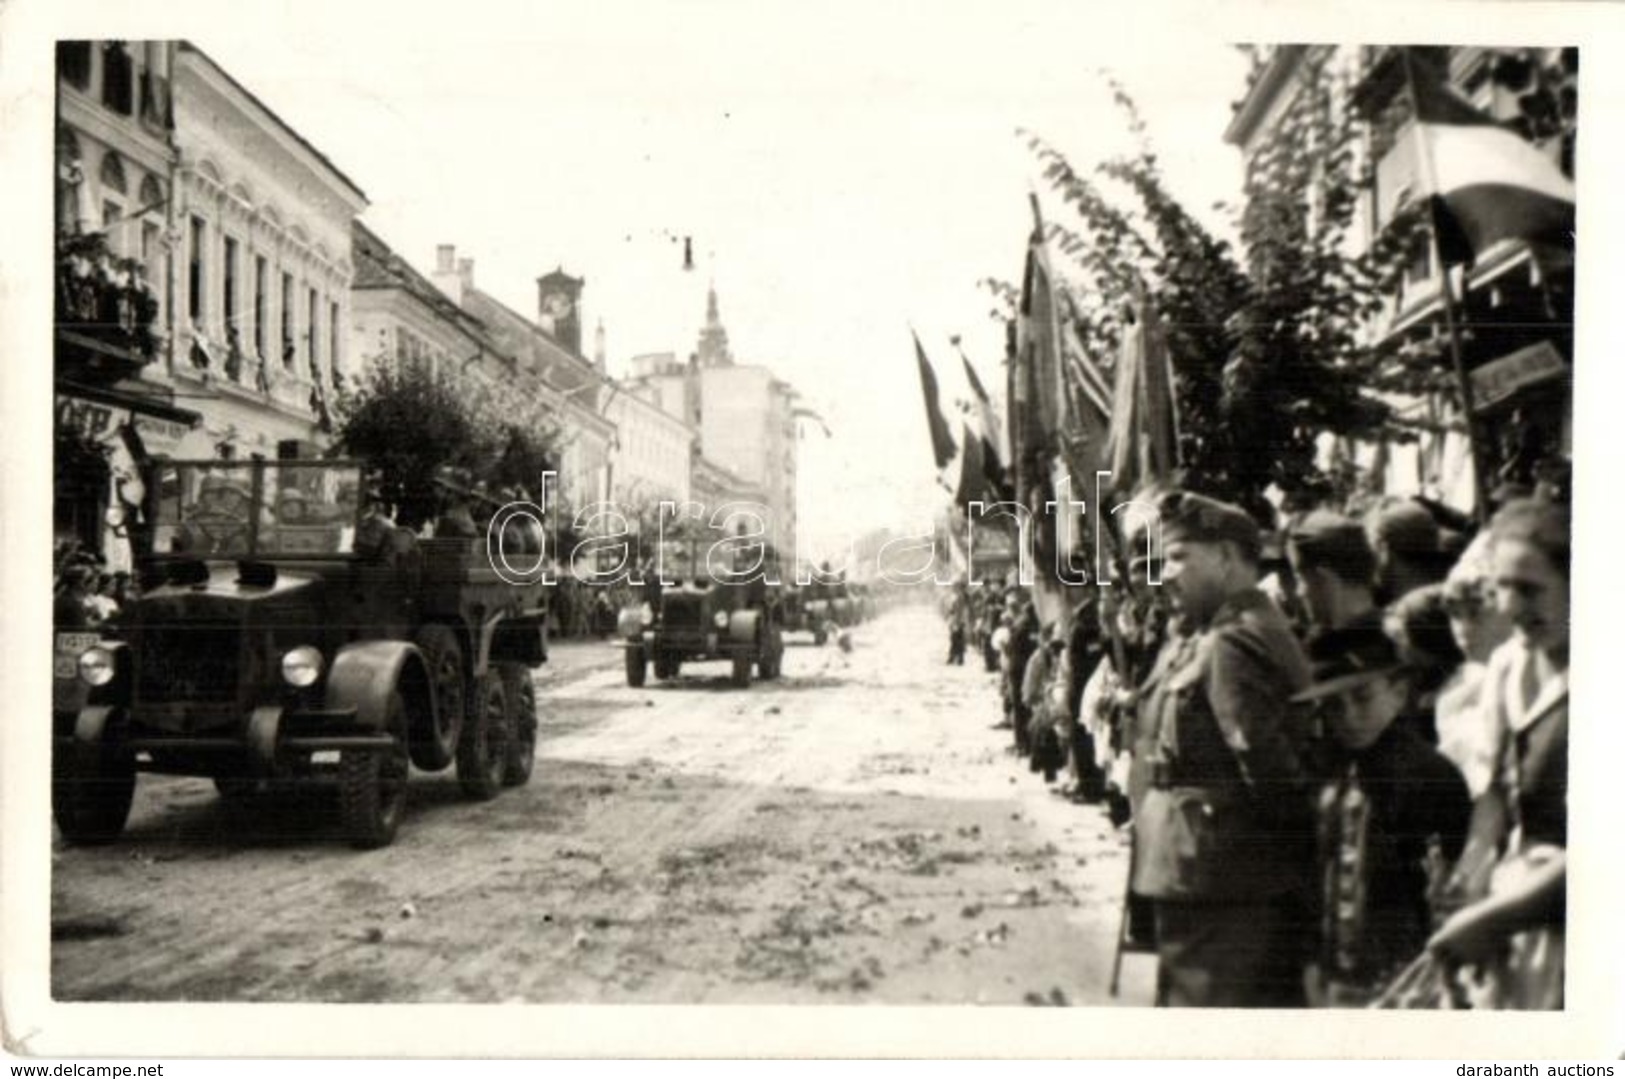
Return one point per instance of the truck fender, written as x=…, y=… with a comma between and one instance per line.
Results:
x=742, y=626
x=90, y=728
x=264, y=723
x=629, y=624
x=365, y=673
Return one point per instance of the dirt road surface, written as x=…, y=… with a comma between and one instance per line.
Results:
x=854, y=833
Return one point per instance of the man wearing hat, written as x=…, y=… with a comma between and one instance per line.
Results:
x=1334, y=570
x=1405, y=539
x=1389, y=800
x=1221, y=835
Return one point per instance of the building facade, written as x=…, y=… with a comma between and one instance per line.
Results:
x=400, y=317
x=1513, y=307
x=114, y=165
x=260, y=282
x=566, y=387
x=745, y=416
x=653, y=449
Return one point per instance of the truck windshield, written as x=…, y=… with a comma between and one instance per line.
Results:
x=255, y=509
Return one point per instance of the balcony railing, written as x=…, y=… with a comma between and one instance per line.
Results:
x=106, y=312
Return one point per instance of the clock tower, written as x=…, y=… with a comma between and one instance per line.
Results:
x=558, y=299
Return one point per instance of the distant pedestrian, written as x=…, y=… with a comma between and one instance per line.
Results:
x=958, y=612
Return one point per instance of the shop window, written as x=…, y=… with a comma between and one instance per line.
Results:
x=118, y=78
x=73, y=63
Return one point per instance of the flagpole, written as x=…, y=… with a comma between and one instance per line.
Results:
x=1464, y=385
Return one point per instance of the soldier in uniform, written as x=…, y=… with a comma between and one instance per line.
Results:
x=1222, y=836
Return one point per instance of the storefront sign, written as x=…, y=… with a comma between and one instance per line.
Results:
x=161, y=436
x=84, y=417
x=1500, y=379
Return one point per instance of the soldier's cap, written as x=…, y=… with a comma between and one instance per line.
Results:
x=1406, y=527
x=211, y=484
x=1348, y=657
x=1325, y=536
x=1192, y=518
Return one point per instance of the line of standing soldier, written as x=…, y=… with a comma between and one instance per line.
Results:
x=1295, y=821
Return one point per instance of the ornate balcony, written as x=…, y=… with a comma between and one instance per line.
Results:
x=106, y=312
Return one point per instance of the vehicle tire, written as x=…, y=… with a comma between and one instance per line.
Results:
x=237, y=788
x=372, y=784
x=664, y=666
x=91, y=791
x=637, y=665
x=482, y=753
x=521, y=757
x=434, y=738
x=771, y=663
x=741, y=675
x=819, y=636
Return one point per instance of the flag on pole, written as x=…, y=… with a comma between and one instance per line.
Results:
x=973, y=480
x=942, y=441
x=991, y=436
x=1486, y=182
x=1143, y=442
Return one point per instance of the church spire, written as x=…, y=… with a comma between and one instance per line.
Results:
x=713, y=350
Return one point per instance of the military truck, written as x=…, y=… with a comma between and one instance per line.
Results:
x=829, y=603
x=287, y=636
x=697, y=614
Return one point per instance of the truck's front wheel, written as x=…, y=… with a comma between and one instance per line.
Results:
x=741, y=675
x=372, y=785
x=482, y=754
x=91, y=791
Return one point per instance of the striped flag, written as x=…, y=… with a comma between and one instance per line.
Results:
x=1143, y=444
x=991, y=435
x=1487, y=183
x=942, y=441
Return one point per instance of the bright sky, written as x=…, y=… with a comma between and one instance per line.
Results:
x=844, y=170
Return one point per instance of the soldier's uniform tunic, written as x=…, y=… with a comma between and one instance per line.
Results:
x=1224, y=834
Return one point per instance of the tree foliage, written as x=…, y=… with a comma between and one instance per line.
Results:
x=1267, y=340
x=411, y=424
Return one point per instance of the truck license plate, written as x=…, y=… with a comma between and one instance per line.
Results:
x=325, y=756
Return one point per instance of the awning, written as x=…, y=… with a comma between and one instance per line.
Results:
x=143, y=399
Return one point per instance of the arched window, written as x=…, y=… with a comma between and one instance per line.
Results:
x=152, y=193
x=112, y=173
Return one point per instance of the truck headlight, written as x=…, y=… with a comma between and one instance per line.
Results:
x=96, y=666
x=302, y=666
x=721, y=620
